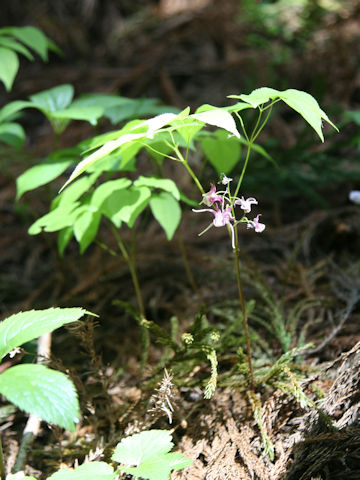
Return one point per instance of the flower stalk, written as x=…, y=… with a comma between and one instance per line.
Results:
x=222, y=206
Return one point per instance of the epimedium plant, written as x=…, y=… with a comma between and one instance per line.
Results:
x=83, y=202
x=105, y=192
x=173, y=136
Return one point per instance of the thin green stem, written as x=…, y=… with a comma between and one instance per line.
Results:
x=2, y=464
x=255, y=135
x=131, y=264
x=149, y=147
x=189, y=169
x=242, y=125
x=189, y=274
x=243, y=311
x=243, y=169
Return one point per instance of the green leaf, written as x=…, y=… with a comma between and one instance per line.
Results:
x=126, y=205
x=300, y=101
x=16, y=476
x=128, y=153
x=54, y=99
x=167, y=212
x=12, y=133
x=9, y=65
x=12, y=44
x=188, y=200
x=86, y=226
x=308, y=108
x=104, y=190
x=64, y=237
x=159, y=148
x=25, y=326
x=142, y=446
x=40, y=175
x=353, y=116
x=159, y=468
x=258, y=96
x=76, y=190
x=156, y=123
x=33, y=38
x=86, y=471
x=47, y=393
x=89, y=114
x=56, y=104
x=216, y=116
x=8, y=112
x=237, y=107
x=222, y=152
x=118, y=108
x=148, y=451
x=59, y=218
x=162, y=183
x=99, y=140
x=136, y=109
x=260, y=150
x=101, y=153
x=188, y=128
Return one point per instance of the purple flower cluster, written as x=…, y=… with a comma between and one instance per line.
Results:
x=223, y=209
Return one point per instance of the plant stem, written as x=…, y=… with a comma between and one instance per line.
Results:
x=131, y=264
x=244, y=314
x=2, y=465
x=189, y=169
x=189, y=274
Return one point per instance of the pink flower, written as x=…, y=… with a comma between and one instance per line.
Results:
x=222, y=217
x=211, y=197
x=246, y=204
x=225, y=180
x=259, y=227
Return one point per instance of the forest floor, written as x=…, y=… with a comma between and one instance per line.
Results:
x=301, y=276
x=304, y=274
